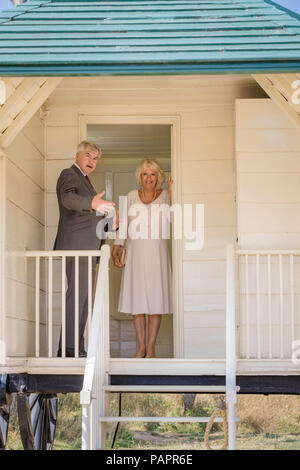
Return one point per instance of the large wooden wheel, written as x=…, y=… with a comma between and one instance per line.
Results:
x=37, y=414
x=5, y=409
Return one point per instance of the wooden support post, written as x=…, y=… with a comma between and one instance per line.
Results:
x=231, y=346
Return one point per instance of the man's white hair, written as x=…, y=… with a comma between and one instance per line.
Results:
x=85, y=143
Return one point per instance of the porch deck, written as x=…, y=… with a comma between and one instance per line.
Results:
x=151, y=367
x=65, y=375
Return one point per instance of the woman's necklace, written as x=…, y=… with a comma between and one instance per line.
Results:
x=153, y=199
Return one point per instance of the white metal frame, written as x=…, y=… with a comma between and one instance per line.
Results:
x=174, y=121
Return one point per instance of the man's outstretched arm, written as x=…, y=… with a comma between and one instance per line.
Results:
x=67, y=188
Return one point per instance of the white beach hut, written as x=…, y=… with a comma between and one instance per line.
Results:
x=209, y=88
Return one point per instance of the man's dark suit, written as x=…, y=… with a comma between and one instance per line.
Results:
x=76, y=231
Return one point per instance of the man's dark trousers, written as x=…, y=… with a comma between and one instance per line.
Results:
x=82, y=294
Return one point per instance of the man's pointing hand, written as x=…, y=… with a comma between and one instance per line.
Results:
x=101, y=205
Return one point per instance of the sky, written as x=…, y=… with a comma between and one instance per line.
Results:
x=5, y=4
x=292, y=4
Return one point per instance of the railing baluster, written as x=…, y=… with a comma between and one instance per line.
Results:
x=63, y=306
x=90, y=287
x=269, y=305
x=76, y=306
x=247, y=309
x=45, y=341
x=37, y=306
x=281, y=306
x=292, y=293
x=50, y=289
x=241, y=326
x=106, y=324
x=258, y=320
x=285, y=332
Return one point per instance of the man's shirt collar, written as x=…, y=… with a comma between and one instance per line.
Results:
x=79, y=169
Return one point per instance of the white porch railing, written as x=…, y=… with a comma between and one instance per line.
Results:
x=92, y=395
x=48, y=272
x=95, y=385
x=269, y=296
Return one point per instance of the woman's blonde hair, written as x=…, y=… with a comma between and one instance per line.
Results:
x=154, y=165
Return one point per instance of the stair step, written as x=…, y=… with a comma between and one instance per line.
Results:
x=159, y=419
x=167, y=388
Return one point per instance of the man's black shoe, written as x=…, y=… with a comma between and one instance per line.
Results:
x=71, y=353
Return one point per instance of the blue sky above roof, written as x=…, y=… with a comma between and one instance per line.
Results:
x=293, y=5
x=5, y=4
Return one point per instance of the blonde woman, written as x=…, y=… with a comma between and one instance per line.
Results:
x=146, y=278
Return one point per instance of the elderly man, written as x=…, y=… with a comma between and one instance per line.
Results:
x=80, y=210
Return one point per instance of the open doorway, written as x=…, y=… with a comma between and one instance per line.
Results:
x=124, y=146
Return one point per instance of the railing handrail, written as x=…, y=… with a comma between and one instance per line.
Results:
x=267, y=252
x=53, y=253
x=89, y=372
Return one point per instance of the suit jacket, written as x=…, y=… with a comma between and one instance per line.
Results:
x=77, y=220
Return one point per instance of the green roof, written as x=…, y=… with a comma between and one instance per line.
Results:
x=113, y=37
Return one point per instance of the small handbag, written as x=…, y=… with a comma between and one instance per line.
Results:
x=123, y=255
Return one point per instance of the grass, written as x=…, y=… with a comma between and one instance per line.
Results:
x=266, y=423
x=68, y=430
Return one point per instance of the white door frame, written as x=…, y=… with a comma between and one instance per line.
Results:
x=177, y=262
x=2, y=257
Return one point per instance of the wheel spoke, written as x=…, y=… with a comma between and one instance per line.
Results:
x=53, y=412
x=4, y=422
x=43, y=440
x=38, y=416
x=25, y=425
x=48, y=436
x=36, y=398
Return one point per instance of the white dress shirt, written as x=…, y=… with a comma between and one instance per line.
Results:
x=79, y=169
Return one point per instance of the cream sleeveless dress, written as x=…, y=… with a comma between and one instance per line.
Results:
x=146, y=285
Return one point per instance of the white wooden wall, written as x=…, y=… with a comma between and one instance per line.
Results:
x=268, y=167
x=25, y=229
x=206, y=109
x=268, y=177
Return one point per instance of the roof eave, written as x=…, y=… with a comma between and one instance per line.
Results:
x=96, y=69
